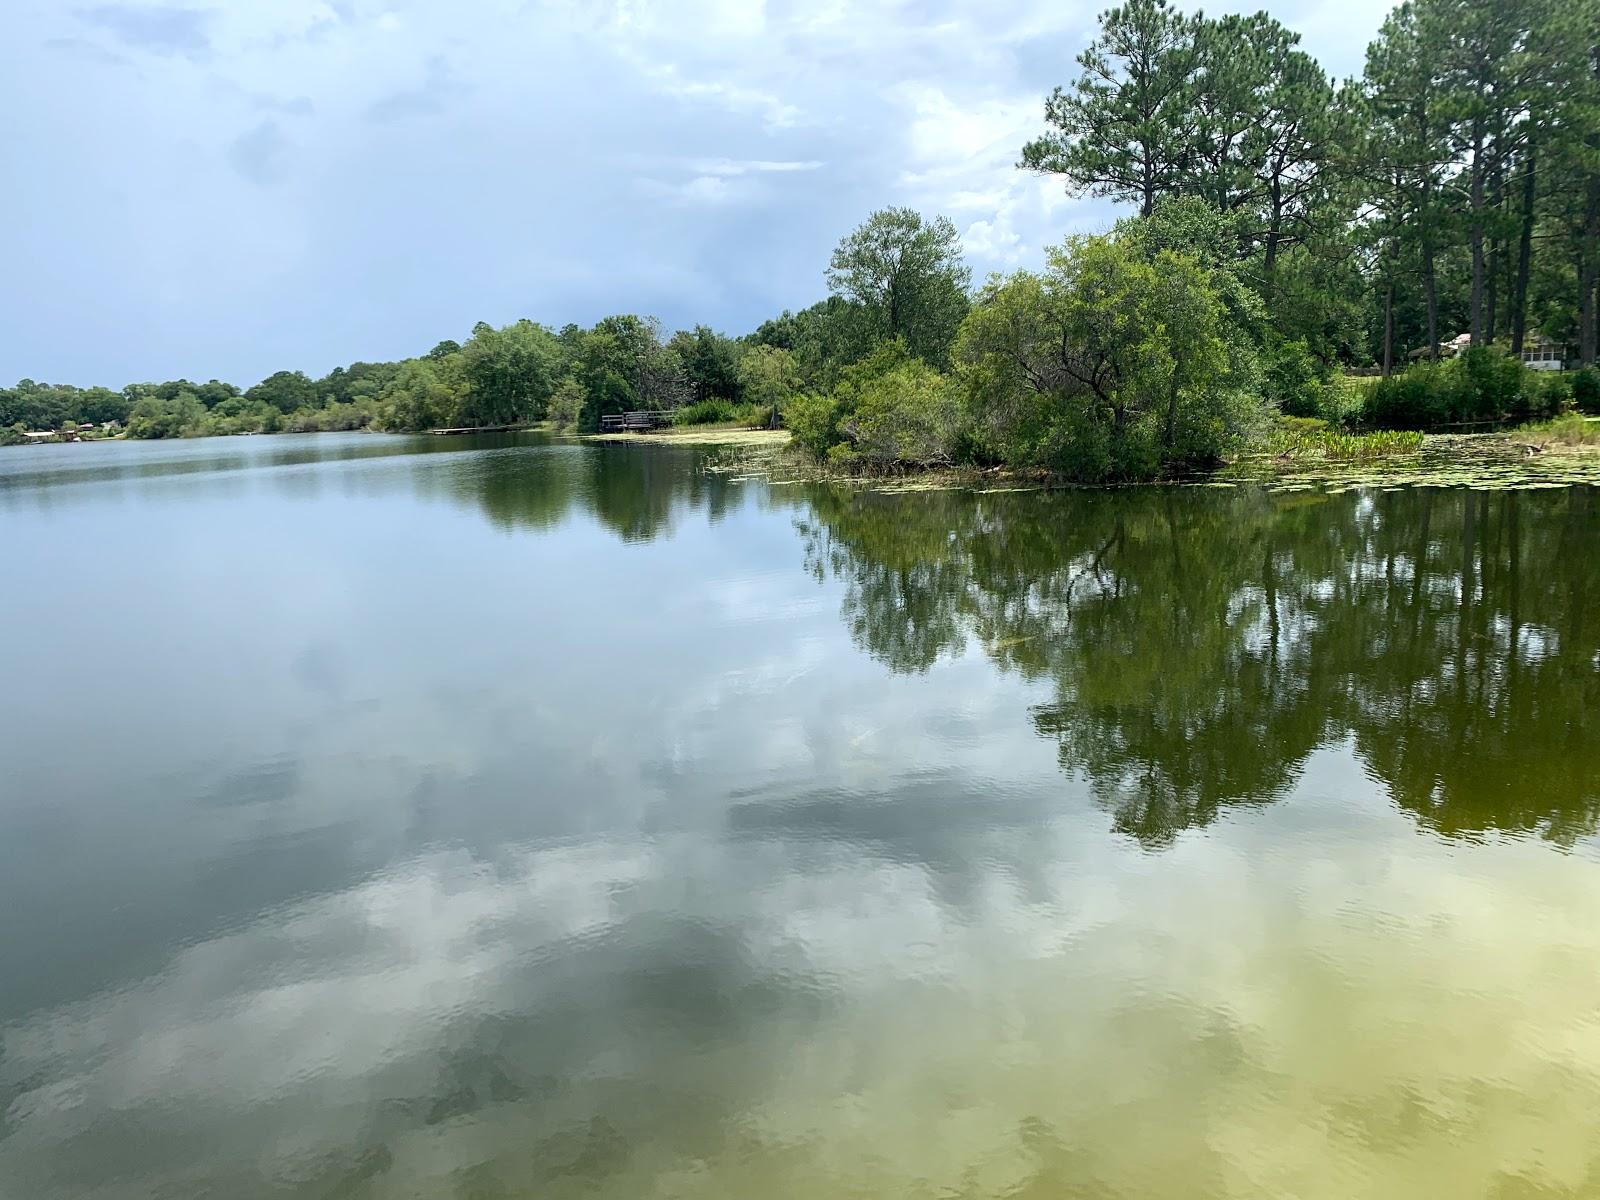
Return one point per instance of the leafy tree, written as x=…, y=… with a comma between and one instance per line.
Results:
x=361, y=381
x=622, y=366
x=908, y=277
x=509, y=373
x=824, y=339
x=285, y=391
x=890, y=408
x=768, y=378
x=181, y=416
x=1111, y=364
x=710, y=363
x=566, y=405
x=421, y=395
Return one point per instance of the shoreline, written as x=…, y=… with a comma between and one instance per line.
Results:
x=1481, y=461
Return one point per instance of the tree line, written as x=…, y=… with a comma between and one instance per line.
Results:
x=1287, y=228
x=1453, y=188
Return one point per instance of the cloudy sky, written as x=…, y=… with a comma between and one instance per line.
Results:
x=231, y=188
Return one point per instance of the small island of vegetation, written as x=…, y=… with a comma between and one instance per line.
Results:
x=1298, y=250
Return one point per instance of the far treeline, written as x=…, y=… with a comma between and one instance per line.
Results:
x=1431, y=222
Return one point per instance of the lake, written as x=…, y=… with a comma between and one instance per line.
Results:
x=393, y=817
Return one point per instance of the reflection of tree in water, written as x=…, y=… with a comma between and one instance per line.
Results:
x=1482, y=660
x=1203, y=643
x=636, y=492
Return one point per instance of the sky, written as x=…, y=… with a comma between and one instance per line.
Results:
x=228, y=189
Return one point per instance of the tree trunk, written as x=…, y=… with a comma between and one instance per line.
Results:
x=1519, y=289
x=1274, y=228
x=1430, y=294
x=1491, y=298
x=1476, y=234
x=1491, y=293
x=1589, y=273
x=1388, y=329
x=1430, y=288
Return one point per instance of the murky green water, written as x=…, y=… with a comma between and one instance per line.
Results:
x=390, y=818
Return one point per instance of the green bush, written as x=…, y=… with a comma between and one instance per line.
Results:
x=813, y=421
x=1294, y=380
x=908, y=415
x=1481, y=384
x=1585, y=389
x=1112, y=365
x=1344, y=400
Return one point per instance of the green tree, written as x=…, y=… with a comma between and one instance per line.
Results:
x=710, y=363
x=622, y=366
x=566, y=405
x=1112, y=364
x=182, y=416
x=908, y=276
x=421, y=395
x=1408, y=141
x=509, y=372
x=824, y=339
x=285, y=391
x=1125, y=130
x=768, y=378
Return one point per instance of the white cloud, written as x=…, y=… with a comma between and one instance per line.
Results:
x=515, y=136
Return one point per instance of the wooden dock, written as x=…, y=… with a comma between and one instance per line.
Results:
x=641, y=421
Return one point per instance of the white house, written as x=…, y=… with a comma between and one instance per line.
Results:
x=1541, y=354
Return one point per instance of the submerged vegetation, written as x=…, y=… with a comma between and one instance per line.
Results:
x=1289, y=234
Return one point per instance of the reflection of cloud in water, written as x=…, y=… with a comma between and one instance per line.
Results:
x=1261, y=1009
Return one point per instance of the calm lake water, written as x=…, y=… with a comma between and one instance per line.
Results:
x=388, y=817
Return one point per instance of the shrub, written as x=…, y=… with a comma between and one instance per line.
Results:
x=1586, y=390
x=1110, y=365
x=1294, y=380
x=1344, y=400
x=909, y=414
x=813, y=421
x=1481, y=384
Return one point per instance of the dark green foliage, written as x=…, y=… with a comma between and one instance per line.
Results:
x=889, y=409
x=1481, y=385
x=710, y=363
x=1112, y=365
x=509, y=373
x=284, y=391
x=1293, y=380
x=1586, y=390
x=824, y=339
